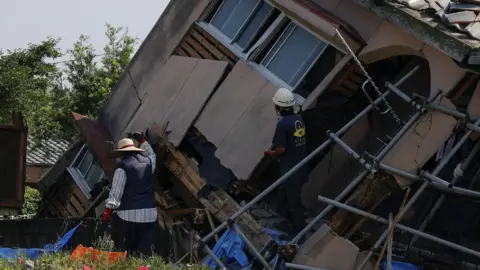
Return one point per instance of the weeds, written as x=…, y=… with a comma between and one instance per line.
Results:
x=62, y=261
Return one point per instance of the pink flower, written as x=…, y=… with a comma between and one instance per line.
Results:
x=85, y=267
x=143, y=268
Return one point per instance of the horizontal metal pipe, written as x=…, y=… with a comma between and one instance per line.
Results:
x=401, y=227
x=440, y=201
x=319, y=149
x=349, y=150
x=302, y=267
x=357, y=180
x=417, y=194
x=447, y=110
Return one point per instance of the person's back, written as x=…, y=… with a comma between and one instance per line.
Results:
x=292, y=128
x=138, y=192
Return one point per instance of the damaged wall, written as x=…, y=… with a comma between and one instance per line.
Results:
x=135, y=83
x=240, y=120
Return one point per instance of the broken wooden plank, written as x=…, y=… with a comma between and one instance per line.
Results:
x=178, y=164
x=222, y=206
x=218, y=202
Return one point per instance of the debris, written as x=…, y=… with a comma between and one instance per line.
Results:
x=325, y=249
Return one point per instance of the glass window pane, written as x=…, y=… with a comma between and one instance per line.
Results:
x=85, y=163
x=224, y=11
x=293, y=54
x=93, y=175
x=229, y=20
x=256, y=22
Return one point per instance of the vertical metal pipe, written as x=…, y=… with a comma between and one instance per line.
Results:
x=401, y=227
x=440, y=201
x=211, y=254
x=417, y=194
x=250, y=247
x=347, y=190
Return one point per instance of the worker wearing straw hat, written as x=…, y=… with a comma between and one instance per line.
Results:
x=132, y=198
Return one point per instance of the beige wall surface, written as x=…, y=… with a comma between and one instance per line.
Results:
x=130, y=91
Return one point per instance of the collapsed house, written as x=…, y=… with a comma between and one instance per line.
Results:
x=203, y=80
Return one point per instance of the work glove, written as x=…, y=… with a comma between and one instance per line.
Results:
x=106, y=214
x=137, y=136
x=458, y=172
x=267, y=153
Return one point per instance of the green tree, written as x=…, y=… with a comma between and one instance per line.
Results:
x=47, y=93
x=26, y=84
x=92, y=81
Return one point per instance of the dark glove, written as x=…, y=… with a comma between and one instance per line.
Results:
x=137, y=136
x=106, y=214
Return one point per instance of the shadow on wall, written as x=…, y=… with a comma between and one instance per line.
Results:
x=337, y=169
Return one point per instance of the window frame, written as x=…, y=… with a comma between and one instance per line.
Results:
x=265, y=38
x=76, y=173
x=232, y=41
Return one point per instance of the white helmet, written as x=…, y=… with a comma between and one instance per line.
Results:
x=284, y=98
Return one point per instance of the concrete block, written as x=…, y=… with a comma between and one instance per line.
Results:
x=325, y=249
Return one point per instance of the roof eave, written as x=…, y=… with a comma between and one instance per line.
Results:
x=431, y=33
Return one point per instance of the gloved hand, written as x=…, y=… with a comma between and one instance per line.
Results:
x=137, y=136
x=267, y=153
x=458, y=172
x=106, y=214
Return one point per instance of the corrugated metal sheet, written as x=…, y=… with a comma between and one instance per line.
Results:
x=46, y=152
x=12, y=162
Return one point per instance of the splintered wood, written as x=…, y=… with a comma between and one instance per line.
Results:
x=218, y=202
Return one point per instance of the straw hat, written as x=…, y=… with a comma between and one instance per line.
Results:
x=127, y=145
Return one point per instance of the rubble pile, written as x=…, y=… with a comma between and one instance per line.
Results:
x=461, y=15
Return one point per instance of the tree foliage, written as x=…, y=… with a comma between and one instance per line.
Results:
x=33, y=82
x=31, y=202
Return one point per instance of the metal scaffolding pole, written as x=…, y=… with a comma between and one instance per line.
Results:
x=401, y=227
x=440, y=201
x=323, y=146
x=210, y=253
x=296, y=167
x=250, y=246
x=347, y=190
x=301, y=267
x=415, y=196
x=435, y=180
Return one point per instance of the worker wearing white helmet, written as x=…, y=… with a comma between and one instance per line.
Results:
x=290, y=146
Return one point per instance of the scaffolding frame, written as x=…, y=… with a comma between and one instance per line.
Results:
x=334, y=138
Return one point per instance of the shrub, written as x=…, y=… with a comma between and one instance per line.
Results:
x=31, y=203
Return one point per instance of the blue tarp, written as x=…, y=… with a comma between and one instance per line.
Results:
x=33, y=253
x=401, y=266
x=229, y=249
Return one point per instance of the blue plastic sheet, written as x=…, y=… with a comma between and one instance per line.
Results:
x=230, y=250
x=33, y=253
x=401, y=266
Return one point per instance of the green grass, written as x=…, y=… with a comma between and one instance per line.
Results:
x=61, y=261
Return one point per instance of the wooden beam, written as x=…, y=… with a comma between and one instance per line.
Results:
x=218, y=202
